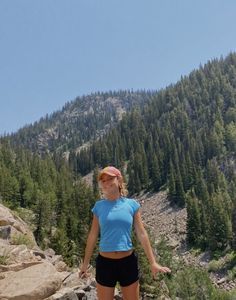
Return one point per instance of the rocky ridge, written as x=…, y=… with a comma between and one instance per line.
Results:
x=71, y=128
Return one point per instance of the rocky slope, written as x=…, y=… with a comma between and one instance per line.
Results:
x=28, y=273
x=170, y=222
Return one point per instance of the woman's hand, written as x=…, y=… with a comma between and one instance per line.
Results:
x=84, y=272
x=155, y=268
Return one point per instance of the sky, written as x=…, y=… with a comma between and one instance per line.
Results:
x=52, y=51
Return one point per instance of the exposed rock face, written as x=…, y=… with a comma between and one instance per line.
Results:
x=11, y=224
x=34, y=282
x=28, y=273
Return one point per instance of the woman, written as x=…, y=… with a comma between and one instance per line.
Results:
x=113, y=217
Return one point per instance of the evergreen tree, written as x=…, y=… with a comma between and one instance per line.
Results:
x=179, y=189
x=193, y=220
x=155, y=174
x=171, y=184
x=220, y=226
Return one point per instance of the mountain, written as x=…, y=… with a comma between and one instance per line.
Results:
x=180, y=140
x=196, y=116
x=79, y=122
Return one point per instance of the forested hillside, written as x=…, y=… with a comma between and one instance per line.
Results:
x=184, y=139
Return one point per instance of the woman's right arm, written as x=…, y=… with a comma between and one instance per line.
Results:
x=91, y=242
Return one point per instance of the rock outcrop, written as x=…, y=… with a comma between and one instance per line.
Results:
x=28, y=273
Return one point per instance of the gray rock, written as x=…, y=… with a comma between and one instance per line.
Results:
x=93, y=283
x=80, y=293
x=5, y=232
x=49, y=252
x=87, y=288
x=39, y=253
x=222, y=280
x=64, y=294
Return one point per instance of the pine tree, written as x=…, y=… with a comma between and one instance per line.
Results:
x=193, y=220
x=171, y=185
x=95, y=182
x=179, y=189
x=155, y=174
x=230, y=137
x=41, y=215
x=220, y=226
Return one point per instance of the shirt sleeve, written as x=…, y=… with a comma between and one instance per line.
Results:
x=95, y=210
x=135, y=205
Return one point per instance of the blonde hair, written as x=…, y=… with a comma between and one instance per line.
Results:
x=123, y=187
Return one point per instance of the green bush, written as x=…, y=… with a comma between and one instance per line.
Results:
x=232, y=273
x=231, y=260
x=3, y=259
x=215, y=265
x=223, y=295
x=26, y=215
x=22, y=239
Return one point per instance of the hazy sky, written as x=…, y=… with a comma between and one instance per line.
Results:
x=52, y=51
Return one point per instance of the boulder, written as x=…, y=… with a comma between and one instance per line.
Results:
x=49, y=252
x=5, y=232
x=20, y=253
x=33, y=283
x=61, y=266
x=18, y=267
x=64, y=294
x=7, y=218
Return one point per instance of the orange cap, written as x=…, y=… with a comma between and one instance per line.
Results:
x=112, y=171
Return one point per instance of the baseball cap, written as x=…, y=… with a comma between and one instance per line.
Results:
x=112, y=171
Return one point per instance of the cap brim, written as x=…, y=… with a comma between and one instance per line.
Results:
x=107, y=173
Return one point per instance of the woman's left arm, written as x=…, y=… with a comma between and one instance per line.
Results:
x=145, y=242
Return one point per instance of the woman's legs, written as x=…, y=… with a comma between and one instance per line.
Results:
x=105, y=293
x=131, y=292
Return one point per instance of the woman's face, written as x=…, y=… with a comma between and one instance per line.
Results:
x=109, y=184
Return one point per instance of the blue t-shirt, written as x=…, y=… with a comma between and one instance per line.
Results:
x=115, y=221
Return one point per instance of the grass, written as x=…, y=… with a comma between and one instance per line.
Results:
x=4, y=259
x=22, y=239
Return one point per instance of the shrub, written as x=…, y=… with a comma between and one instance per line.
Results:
x=232, y=273
x=3, y=259
x=215, y=265
x=22, y=239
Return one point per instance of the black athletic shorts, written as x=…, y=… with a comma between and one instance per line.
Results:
x=109, y=271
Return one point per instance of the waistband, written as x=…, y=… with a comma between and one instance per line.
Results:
x=117, y=259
